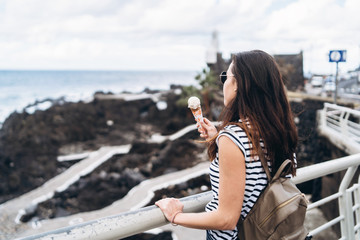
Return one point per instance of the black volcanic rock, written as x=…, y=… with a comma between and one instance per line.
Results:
x=185, y=189
x=113, y=179
x=30, y=143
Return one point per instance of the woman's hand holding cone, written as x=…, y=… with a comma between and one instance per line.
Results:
x=207, y=130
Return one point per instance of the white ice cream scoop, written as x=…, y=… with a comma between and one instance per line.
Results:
x=193, y=102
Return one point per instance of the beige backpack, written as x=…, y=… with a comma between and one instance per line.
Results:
x=279, y=212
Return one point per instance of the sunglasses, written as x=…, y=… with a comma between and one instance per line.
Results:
x=223, y=77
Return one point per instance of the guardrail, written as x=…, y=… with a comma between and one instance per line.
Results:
x=342, y=127
x=134, y=222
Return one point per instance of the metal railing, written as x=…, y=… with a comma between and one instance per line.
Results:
x=134, y=222
x=342, y=127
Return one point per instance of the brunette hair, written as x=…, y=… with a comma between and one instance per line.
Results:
x=261, y=102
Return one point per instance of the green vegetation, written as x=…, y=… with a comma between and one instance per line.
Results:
x=188, y=91
x=209, y=85
x=207, y=80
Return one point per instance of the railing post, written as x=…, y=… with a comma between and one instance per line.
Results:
x=349, y=215
x=323, y=115
x=344, y=123
x=357, y=211
x=357, y=204
x=345, y=206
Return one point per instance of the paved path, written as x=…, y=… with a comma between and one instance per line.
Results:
x=130, y=96
x=138, y=197
x=11, y=211
x=161, y=138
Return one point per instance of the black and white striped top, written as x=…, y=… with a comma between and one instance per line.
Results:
x=255, y=182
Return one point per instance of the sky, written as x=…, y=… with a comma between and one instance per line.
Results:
x=172, y=35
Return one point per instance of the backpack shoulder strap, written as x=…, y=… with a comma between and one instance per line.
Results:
x=281, y=169
x=265, y=165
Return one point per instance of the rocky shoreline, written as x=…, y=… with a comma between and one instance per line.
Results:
x=30, y=144
x=113, y=179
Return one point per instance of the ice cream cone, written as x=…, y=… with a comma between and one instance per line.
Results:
x=194, y=105
x=197, y=113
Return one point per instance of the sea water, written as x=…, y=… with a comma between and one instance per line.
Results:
x=21, y=89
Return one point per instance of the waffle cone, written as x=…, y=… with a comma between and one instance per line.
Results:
x=197, y=113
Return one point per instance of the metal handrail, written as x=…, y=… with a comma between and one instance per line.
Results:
x=342, y=127
x=334, y=122
x=134, y=222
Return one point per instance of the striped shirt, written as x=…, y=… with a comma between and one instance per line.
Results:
x=255, y=182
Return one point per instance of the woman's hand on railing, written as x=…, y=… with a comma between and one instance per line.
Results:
x=170, y=207
x=207, y=130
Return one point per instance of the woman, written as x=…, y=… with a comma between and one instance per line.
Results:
x=256, y=122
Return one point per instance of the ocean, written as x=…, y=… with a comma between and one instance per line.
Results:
x=27, y=90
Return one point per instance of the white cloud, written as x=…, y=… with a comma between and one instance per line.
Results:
x=163, y=34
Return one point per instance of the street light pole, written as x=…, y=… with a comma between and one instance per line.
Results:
x=336, y=82
x=337, y=56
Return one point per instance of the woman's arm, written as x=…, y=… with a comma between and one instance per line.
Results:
x=231, y=194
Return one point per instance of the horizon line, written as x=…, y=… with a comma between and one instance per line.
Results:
x=108, y=70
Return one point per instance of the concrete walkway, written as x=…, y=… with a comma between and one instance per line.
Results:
x=12, y=211
x=156, y=138
x=138, y=197
x=130, y=96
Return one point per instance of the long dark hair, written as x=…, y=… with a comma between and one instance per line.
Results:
x=261, y=100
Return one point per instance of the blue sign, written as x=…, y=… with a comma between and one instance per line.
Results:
x=337, y=56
